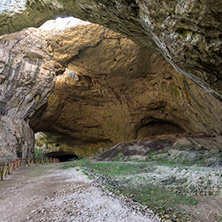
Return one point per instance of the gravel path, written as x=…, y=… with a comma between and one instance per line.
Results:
x=46, y=193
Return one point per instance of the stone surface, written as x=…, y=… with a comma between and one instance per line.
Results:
x=187, y=33
x=112, y=90
x=26, y=80
x=115, y=91
x=198, y=149
x=16, y=138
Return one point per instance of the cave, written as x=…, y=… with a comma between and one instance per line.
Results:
x=82, y=102
x=115, y=81
x=158, y=127
x=62, y=156
x=100, y=101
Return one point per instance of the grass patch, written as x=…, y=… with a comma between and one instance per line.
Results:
x=75, y=163
x=114, y=169
x=116, y=178
x=163, y=202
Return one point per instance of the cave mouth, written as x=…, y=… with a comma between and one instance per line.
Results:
x=158, y=127
x=62, y=156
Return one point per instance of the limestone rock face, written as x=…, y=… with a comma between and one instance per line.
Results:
x=114, y=90
x=16, y=138
x=26, y=80
x=186, y=32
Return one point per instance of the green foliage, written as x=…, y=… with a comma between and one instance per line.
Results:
x=38, y=153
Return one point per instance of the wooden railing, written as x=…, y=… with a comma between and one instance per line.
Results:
x=6, y=168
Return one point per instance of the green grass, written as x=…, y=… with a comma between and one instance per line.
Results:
x=75, y=163
x=88, y=175
x=114, y=168
x=163, y=202
x=160, y=200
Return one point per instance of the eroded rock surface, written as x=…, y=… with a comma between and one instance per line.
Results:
x=16, y=138
x=27, y=79
x=187, y=32
x=112, y=90
x=115, y=91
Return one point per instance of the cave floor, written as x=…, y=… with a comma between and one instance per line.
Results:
x=48, y=193
x=175, y=192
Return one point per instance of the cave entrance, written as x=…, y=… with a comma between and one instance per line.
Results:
x=62, y=156
x=158, y=127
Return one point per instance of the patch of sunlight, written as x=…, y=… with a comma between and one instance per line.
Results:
x=62, y=24
x=12, y=6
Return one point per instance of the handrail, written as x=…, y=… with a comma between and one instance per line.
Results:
x=6, y=168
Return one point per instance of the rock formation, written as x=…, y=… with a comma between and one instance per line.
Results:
x=186, y=32
x=27, y=79
x=113, y=91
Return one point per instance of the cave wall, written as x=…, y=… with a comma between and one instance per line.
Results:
x=115, y=90
x=26, y=80
x=137, y=93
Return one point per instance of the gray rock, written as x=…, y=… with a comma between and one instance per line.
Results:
x=17, y=138
x=26, y=82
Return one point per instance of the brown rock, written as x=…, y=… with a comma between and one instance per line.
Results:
x=115, y=91
x=16, y=138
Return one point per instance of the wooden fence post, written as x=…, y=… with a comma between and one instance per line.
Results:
x=13, y=165
x=19, y=162
x=9, y=167
x=2, y=170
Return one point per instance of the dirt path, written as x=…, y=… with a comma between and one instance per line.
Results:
x=47, y=193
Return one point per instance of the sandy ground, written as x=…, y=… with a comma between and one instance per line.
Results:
x=47, y=193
